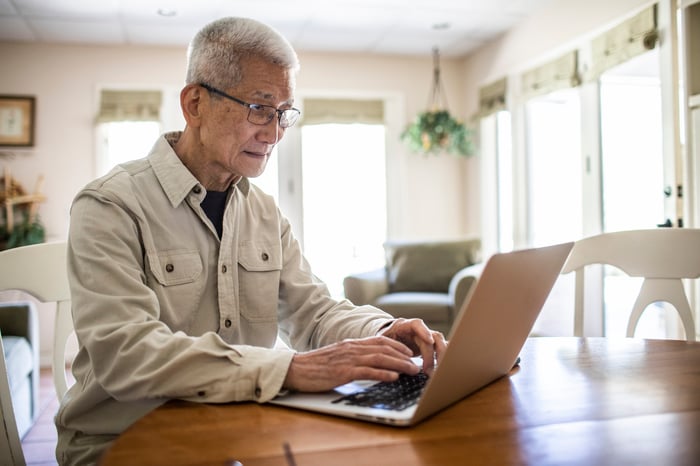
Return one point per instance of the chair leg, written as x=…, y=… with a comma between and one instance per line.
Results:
x=667, y=290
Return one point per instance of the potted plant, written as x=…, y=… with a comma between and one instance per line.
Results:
x=436, y=131
x=24, y=233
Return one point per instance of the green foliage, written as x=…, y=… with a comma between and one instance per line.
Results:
x=22, y=234
x=437, y=132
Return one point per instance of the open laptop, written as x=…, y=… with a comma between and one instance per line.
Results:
x=484, y=343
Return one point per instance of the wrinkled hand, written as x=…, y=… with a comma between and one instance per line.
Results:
x=422, y=341
x=375, y=358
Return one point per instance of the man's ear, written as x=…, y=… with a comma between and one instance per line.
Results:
x=191, y=103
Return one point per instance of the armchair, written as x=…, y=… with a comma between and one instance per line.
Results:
x=20, y=337
x=424, y=279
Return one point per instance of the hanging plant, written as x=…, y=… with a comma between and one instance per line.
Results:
x=436, y=131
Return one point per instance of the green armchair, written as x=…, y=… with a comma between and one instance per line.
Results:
x=421, y=279
x=20, y=337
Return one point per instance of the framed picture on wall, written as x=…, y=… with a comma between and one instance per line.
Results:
x=17, y=120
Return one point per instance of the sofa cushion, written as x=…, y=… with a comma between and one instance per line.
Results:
x=18, y=359
x=427, y=266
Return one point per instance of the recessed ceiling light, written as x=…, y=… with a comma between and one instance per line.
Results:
x=167, y=12
x=441, y=26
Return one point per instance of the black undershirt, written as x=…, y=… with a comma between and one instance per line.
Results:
x=214, y=204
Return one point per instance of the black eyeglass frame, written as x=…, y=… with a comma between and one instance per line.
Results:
x=294, y=112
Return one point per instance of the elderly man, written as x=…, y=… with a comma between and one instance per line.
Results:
x=183, y=273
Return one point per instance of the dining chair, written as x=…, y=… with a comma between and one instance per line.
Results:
x=10, y=444
x=663, y=257
x=41, y=271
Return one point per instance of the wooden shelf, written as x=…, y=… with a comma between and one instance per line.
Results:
x=13, y=195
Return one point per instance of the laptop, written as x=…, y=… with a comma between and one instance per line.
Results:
x=484, y=343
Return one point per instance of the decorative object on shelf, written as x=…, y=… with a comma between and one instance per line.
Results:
x=21, y=223
x=435, y=131
x=17, y=120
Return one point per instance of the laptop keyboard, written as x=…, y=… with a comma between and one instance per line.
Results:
x=395, y=396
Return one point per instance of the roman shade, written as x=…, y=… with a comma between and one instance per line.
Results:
x=129, y=105
x=492, y=97
x=561, y=73
x=624, y=41
x=319, y=111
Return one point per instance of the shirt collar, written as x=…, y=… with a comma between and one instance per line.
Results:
x=175, y=179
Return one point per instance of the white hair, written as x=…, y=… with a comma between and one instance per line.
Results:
x=216, y=51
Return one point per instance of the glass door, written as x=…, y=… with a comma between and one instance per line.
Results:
x=554, y=159
x=554, y=191
x=633, y=181
x=632, y=145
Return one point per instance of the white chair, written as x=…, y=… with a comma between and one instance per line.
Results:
x=10, y=444
x=41, y=270
x=663, y=257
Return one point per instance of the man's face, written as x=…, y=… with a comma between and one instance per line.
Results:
x=230, y=142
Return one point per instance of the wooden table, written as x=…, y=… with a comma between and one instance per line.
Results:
x=573, y=401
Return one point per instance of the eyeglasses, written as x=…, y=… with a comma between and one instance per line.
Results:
x=261, y=114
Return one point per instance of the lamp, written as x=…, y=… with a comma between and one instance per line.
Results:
x=435, y=131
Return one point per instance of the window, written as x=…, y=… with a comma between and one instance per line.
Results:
x=505, y=181
x=554, y=200
x=123, y=141
x=344, y=199
x=128, y=124
x=497, y=189
x=632, y=136
x=554, y=158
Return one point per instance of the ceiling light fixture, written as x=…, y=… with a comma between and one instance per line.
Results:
x=167, y=12
x=441, y=26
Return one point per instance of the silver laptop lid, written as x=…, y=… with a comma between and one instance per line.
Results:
x=493, y=324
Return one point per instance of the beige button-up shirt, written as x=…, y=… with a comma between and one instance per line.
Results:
x=164, y=309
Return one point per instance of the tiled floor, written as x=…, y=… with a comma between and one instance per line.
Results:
x=39, y=445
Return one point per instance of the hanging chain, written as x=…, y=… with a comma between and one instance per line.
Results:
x=437, y=97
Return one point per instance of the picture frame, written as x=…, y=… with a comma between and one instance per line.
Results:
x=17, y=120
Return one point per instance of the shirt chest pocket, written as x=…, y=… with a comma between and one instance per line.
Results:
x=175, y=267
x=259, y=271
x=178, y=282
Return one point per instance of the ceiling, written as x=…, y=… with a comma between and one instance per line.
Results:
x=406, y=27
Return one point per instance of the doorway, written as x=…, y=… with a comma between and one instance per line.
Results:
x=633, y=182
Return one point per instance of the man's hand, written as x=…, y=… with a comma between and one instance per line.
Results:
x=420, y=339
x=374, y=358
x=380, y=358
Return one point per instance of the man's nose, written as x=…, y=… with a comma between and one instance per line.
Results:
x=271, y=133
